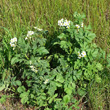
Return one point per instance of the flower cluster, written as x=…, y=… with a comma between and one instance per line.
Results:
x=13, y=42
x=46, y=81
x=82, y=24
x=33, y=69
x=29, y=34
x=83, y=54
x=63, y=22
x=38, y=29
x=76, y=15
x=78, y=26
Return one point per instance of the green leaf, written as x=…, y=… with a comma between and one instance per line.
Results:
x=42, y=51
x=66, y=99
x=77, y=64
x=83, y=16
x=58, y=84
x=97, y=78
x=95, y=53
x=3, y=99
x=32, y=95
x=51, y=99
x=68, y=90
x=15, y=60
x=60, y=78
x=4, y=75
x=18, y=82
x=24, y=94
x=2, y=87
x=5, y=44
x=79, y=73
x=52, y=88
x=94, y=45
x=47, y=108
x=89, y=27
x=73, y=86
x=81, y=92
x=99, y=66
x=65, y=44
x=21, y=89
x=61, y=36
x=24, y=100
x=91, y=36
x=108, y=65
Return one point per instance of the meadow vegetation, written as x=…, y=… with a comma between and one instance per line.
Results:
x=19, y=16
x=29, y=62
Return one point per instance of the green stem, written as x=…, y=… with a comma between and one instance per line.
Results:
x=26, y=57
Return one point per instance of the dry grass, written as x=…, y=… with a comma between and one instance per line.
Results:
x=18, y=16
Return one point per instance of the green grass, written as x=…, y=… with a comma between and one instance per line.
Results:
x=99, y=95
x=19, y=16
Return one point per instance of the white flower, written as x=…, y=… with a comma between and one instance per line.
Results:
x=83, y=53
x=46, y=81
x=30, y=62
x=15, y=39
x=63, y=22
x=13, y=42
x=26, y=38
x=12, y=45
x=30, y=33
x=67, y=27
x=77, y=26
x=60, y=22
x=79, y=55
x=82, y=24
x=33, y=69
x=38, y=28
x=13, y=48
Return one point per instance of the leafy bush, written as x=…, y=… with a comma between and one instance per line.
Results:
x=50, y=73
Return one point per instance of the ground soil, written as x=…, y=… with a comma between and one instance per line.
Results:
x=15, y=104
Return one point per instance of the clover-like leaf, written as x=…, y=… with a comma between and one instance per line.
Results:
x=60, y=78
